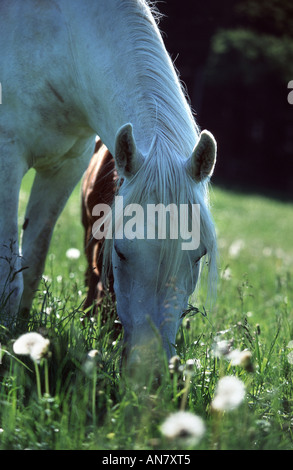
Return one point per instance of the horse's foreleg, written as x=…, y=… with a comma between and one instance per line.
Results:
x=49, y=195
x=11, y=281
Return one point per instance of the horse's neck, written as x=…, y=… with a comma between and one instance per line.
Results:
x=121, y=53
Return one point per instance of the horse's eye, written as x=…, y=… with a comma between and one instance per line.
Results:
x=121, y=255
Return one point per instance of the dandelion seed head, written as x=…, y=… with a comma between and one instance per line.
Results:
x=235, y=248
x=227, y=274
x=240, y=358
x=94, y=353
x=221, y=347
x=32, y=344
x=72, y=253
x=230, y=393
x=267, y=251
x=192, y=365
x=93, y=360
x=174, y=364
x=184, y=425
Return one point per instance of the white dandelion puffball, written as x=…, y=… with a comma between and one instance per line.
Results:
x=235, y=248
x=93, y=353
x=240, y=358
x=72, y=253
x=184, y=425
x=230, y=393
x=32, y=344
x=221, y=347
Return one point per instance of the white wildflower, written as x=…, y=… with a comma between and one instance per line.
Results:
x=235, y=248
x=174, y=364
x=32, y=344
x=184, y=425
x=94, y=360
x=240, y=358
x=221, y=347
x=230, y=393
x=226, y=274
x=94, y=353
x=191, y=366
x=267, y=251
x=73, y=253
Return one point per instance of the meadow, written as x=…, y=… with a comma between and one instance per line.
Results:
x=73, y=400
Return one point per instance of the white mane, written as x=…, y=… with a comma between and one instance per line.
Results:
x=160, y=94
x=171, y=131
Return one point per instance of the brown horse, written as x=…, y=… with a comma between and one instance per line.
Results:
x=99, y=185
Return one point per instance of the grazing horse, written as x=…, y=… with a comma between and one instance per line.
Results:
x=71, y=70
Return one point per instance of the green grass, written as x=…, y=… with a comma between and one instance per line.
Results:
x=85, y=404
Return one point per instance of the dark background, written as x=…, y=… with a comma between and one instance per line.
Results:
x=236, y=60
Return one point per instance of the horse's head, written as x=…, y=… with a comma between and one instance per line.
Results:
x=159, y=240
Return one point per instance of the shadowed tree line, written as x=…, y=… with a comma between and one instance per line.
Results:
x=236, y=59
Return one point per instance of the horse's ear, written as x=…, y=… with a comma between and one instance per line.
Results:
x=127, y=158
x=202, y=161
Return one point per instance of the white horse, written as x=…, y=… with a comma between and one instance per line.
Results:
x=72, y=69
